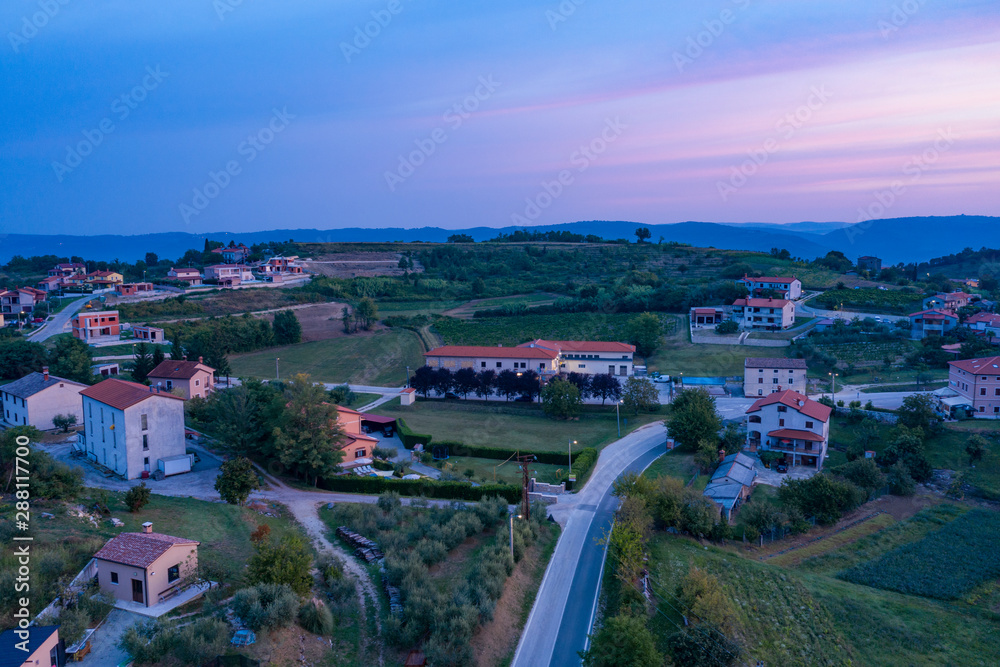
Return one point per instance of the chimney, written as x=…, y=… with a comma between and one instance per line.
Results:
x=45, y=373
x=147, y=527
x=152, y=389
x=201, y=360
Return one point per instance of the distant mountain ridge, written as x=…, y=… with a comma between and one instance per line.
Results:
x=894, y=240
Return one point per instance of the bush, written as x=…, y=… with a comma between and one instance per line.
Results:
x=315, y=617
x=900, y=481
x=421, y=487
x=266, y=606
x=727, y=327
x=408, y=437
x=153, y=643
x=137, y=497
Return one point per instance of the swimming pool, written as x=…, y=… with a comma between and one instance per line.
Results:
x=704, y=380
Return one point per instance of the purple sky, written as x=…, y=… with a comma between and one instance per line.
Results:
x=460, y=115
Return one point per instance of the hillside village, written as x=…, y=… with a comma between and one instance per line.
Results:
x=356, y=454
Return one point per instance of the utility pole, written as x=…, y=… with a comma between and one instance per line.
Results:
x=525, y=505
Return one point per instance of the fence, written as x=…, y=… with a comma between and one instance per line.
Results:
x=824, y=536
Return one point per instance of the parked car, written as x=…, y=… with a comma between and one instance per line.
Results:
x=450, y=394
x=662, y=379
x=524, y=399
x=781, y=467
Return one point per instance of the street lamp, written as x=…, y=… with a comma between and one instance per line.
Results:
x=834, y=380
x=512, y=534
x=572, y=477
x=277, y=374
x=618, y=418
x=407, y=376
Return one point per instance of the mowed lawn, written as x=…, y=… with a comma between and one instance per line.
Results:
x=523, y=427
x=678, y=355
x=379, y=359
x=486, y=470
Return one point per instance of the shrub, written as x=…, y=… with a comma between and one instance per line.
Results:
x=409, y=437
x=900, y=481
x=421, y=487
x=315, y=617
x=265, y=606
x=288, y=562
x=727, y=327
x=137, y=497
x=153, y=643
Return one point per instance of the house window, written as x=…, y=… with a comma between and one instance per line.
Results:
x=145, y=442
x=359, y=453
x=583, y=365
x=114, y=578
x=145, y=461
x=760, y=380
x=197, y=383
x=782, y=408
x=499, y=364
x=781, y=422
x=809, y=424
x=996, y=392
x=170, y=385
x=482, y=364
x=982, y=391
x=173, y=573
x=144, y=421
x=774, y=380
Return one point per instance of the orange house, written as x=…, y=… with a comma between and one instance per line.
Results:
x=192, y=378
x=145, y=568
x=356, y=445
x=99, y=326
x=34, y=646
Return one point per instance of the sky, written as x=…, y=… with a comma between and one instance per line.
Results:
x=127, y=116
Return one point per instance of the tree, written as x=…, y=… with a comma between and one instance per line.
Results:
x=236, y=480
x=485, y=381
x=19, y=357
x=465, y=381
x=693, y=418
x=529, y=384
x=507, y=384
x=732, y=439
x=442, y=381
x=366, y=313
x=478, y=286
x=581, y=381
x=864, y=474
x=703, y=596
x=70, y=358
x=306, y=441
x=707, y=455
x=286, y=562
x=605, y=386
x=423, y=380
x=345, y=319
x=242, y=418
x=640, y=394
x=761, y=516
x=64, y=422
x=152, y=259
x=287, y=330
x=642, y=234
x=727, y=327
x=917, y=411
x=976, y=447
x=461, y=238
x=176, y=346
x=137, y=497
x=899, y=480
x=142, y=362
x=622, y=640
x=821, y=496
x=645, y=331
x=158, y=356
x=561, y=399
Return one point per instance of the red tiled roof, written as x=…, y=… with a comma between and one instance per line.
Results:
x=408, y=390
x=773, y=362
x=178, y=370
x=792, y=399
x=761, y=303
x=706, y=311
x=990, y=365
x=991, y=319
x=795, y=434
x=122, y=394
x=770, y=279
x=492, y=352
x=139, y=549
x=934, y=311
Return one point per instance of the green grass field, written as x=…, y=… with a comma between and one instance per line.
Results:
x=678, y=355
x=504, y=425
x=505, y=473
x=378, y=360
x=511, y=331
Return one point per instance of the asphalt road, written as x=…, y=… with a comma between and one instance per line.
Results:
x=58, y=322
x=804, y=308
x=562, y=615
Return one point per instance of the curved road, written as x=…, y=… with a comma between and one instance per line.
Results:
x=563, y=612
x=55, y=326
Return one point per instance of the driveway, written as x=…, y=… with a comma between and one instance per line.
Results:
x=804, y=308
x=104, y=652
x=774, y=478
x=55, y=326
x=564, y=608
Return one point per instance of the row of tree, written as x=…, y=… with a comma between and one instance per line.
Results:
x=507, y=383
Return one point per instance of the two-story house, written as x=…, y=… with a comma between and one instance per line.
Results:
x=931, y=323
x=102, y=279
x=764, y=313
x=791, y=423
x=131, y=428
x=788, y=287
x=183, y=274
x=66, y=270
x=978, y=382
x=97, y=326
x=228, y=275
x=192, y=378
x=870, y=264
x=355, y=444
x=285, y=265
x=146, y=568
x=37, y=398
x=766, y=375
x=986, y=323
x=234, y=254
x=20, y=300
x=949, y=301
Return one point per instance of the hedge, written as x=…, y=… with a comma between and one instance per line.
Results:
x=422, y=487
x=408, y=437
x=583, y=464
x=500, y=453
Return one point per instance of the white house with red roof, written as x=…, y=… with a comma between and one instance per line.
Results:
x=931, y=322
x=977, y=381
x=767, y=313
x=184, y=274
x=545, y=357
x=790, y=423
x=949, y=301
x=131, y=428
x=233, y=254
x=788, y=287
x=146, y=568
x=986, y=323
